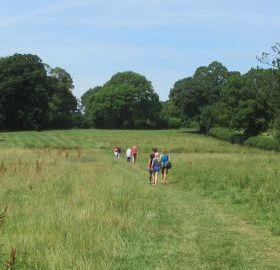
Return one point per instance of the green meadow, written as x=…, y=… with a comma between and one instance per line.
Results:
x=71, y=206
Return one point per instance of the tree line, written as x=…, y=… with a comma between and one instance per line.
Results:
x=35, y=96
x=214, y=96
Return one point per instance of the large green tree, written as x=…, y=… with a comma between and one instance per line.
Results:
x=33, y=95
x=127, y=100
x=203, y=89
x=252, y=111
x=24, y=92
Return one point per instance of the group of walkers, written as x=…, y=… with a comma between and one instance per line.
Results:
x=158, y=162
x=131, y=153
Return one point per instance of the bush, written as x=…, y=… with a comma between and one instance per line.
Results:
x=263, y=142
x=226, y=134
x=174, y=122
x=277, y=128
x=194, y=125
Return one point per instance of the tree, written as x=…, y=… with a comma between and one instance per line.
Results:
x=191, y=95
x=186, y=96
x=33, y=95
x=210, y=80
x=170, y=115
x=24, y=92
x=126, y=100
x=217, y=114
x=86, y=97
x=252, y=112
x=62, y=103
x=272, y=60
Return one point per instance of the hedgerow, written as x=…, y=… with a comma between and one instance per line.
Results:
x=263, y=142
x=227, y=134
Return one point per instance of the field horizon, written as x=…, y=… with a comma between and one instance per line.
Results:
x=70, y=205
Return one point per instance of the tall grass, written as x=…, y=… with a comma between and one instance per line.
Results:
x=71, y=206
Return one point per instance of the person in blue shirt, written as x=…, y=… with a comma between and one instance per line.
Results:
x=155, y=168
x=165, y=165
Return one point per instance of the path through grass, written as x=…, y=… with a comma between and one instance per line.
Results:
x=79, y=209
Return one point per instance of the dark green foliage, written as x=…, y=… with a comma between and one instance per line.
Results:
x=226, y=134
x=79, y=120
x=194, y=126
x=170, y=115
x=192, y=94
x=186, y=97
x=63, y=103
x=213, y=96
x=263, y=142
x=33, y=95
x=216, y=114
x=85, y=99
x=24, y=92
x=276, y=126
x=252, y=111
x=126, y=101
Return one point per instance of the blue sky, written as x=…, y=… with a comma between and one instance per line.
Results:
x=163, y=39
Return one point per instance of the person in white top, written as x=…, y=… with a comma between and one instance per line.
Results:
x=128, y=154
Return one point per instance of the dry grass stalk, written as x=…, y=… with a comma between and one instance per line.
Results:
x=3, y=216
x=3, y=168
x=11, y=263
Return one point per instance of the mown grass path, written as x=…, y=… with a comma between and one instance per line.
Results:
x=209, y=236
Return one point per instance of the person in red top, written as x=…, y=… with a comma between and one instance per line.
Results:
x=134, y=152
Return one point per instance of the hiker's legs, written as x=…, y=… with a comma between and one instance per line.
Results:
x=155, y=178
x=165, y=175
x=162, y=174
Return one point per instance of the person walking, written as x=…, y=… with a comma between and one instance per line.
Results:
x=156, y=169
x=150, y=169
x=165, y=165
x=117, y=152
x=128, y=154
x=134, y=152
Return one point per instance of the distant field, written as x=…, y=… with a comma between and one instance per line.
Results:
x=175, y=141
x=71, y=206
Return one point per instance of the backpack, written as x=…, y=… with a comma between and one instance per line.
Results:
x=164, y=158
x=165, y=161
x=156, y=164
x=168, y=165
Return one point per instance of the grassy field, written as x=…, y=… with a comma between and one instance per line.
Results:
x=71, y=206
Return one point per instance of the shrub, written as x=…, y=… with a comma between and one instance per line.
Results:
x=174, y=122
x=263, y=142
x=194, y=125
x=277, y=128
x=226, y=134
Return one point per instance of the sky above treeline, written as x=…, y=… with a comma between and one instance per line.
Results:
x=165, y=40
